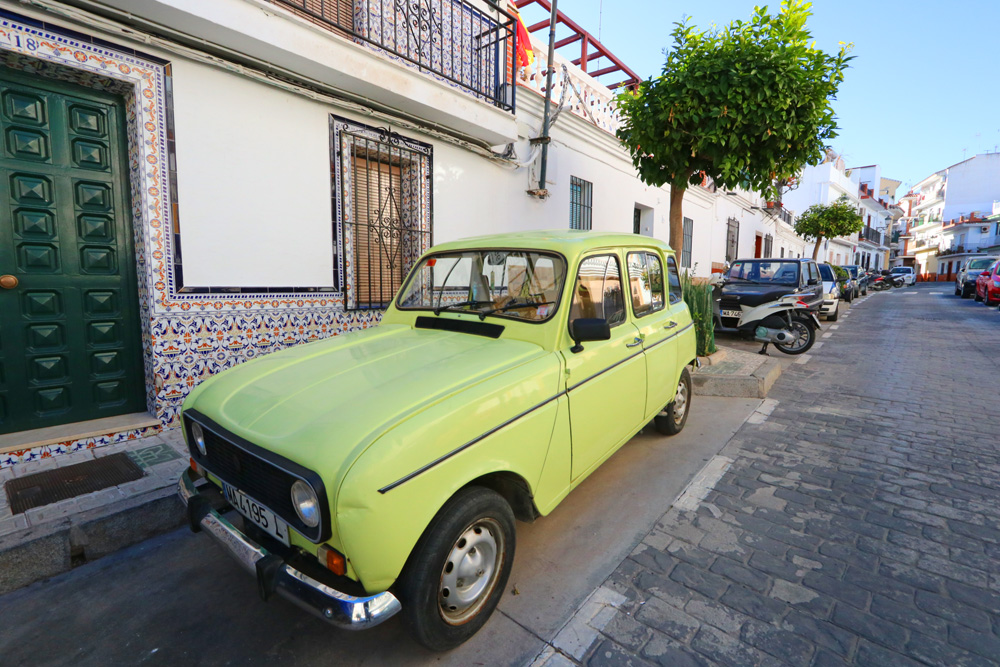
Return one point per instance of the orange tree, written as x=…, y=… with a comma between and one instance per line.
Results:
x=747, y=105
x=822, y=221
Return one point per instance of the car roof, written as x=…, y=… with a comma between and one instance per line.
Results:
x=569, y=242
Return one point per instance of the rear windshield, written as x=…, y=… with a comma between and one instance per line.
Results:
x=853, y=270
x=902, y=269
x=980, y=264
x=826, y=272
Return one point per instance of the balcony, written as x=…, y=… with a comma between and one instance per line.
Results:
x=871, y=235
x=445, y=62
x=466, y=45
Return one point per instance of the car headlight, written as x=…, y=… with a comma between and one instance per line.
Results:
x=199, y=438
x=306, y=503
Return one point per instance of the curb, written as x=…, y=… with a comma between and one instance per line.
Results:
x=755, y=385
x=41, y=552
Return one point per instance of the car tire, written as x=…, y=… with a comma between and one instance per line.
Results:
x=966, y=293
x=835, y=315
x=672, y=418
x=440, y=609
x=978, y=298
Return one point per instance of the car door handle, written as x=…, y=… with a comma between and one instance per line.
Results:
x=670, y=325
x=637, y=341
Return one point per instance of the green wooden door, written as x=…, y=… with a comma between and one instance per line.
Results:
x=69, y=330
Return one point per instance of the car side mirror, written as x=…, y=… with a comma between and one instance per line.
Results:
x=584, y=329
x=812, y=281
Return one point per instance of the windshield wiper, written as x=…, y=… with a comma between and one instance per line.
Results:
x=440, y=309
x=512, y=305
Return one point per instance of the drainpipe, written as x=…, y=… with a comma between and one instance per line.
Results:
x=544, y=139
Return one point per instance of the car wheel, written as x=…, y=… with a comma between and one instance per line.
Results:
x=673, y=417
x=833, y=316
x=805, y=336
x=457, y=573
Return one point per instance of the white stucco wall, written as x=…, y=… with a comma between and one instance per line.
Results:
x=253, y=181
x=973, y=186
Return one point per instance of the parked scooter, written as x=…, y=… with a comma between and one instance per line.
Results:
x=893, y=280
x=786, y=321
x=879, y=284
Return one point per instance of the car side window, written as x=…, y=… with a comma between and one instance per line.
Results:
x=676, y=296
x=598, y=290
x=645, y=276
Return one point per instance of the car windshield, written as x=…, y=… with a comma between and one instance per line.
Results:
x=826, y=272
x=765, y=272
x=515, y=284
x=980, y=264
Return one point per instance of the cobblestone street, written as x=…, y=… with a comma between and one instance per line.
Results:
x=858, y=523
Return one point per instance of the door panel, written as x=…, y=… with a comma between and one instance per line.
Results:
x=606, y=382
x=69, y=334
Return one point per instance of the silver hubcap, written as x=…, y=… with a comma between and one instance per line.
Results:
x=680, y=402
x=801, y=333
x=470, y=571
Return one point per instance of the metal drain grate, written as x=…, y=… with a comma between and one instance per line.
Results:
x=51, y=486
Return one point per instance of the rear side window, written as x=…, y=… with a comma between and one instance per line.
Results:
x=598, y=290
x=676, y=296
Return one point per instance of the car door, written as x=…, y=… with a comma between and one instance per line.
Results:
x=660, y=314
x=606, y=381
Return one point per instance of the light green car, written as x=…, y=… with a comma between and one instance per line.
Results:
x=382, y=470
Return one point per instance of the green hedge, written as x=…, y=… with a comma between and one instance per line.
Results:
x=698, y=297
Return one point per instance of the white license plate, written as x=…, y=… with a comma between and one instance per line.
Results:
x=732, y=313
x=254, y=511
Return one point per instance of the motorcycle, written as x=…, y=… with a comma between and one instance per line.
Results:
x=879, y=284
x=894, y=280
x=785, y=321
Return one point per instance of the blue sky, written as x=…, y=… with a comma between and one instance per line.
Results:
x=924, y=84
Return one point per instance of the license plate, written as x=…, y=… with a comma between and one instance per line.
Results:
x=732, y=313
x=254, y=511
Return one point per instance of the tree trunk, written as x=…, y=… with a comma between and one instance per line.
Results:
x=819, y=241
x=677, y=218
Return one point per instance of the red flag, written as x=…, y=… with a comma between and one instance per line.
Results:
x=525, y=54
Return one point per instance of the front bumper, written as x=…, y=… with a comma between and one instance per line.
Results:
x=274, y=575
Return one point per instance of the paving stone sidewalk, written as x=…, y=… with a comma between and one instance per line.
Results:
x=858, y=522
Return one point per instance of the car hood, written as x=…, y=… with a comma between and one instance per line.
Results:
x=748, y=294
x=322, y=404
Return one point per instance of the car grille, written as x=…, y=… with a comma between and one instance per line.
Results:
x=259, y=479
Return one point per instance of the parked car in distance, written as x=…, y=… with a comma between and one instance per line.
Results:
x=965, y=281
x=381, y=471
x=859, y=279
x=831, y=293
x=909, y=275
x=751, y=282
x=988, y=285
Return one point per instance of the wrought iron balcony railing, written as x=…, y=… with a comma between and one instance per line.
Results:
x=468, y=44
x=872, y=235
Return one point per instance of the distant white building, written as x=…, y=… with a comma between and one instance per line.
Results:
x=948, y=217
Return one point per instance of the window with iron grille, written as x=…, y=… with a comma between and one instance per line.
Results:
x=382, y=208
x=732, y=239
x=581, y=195
x=768, y=245
x=688, y=230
